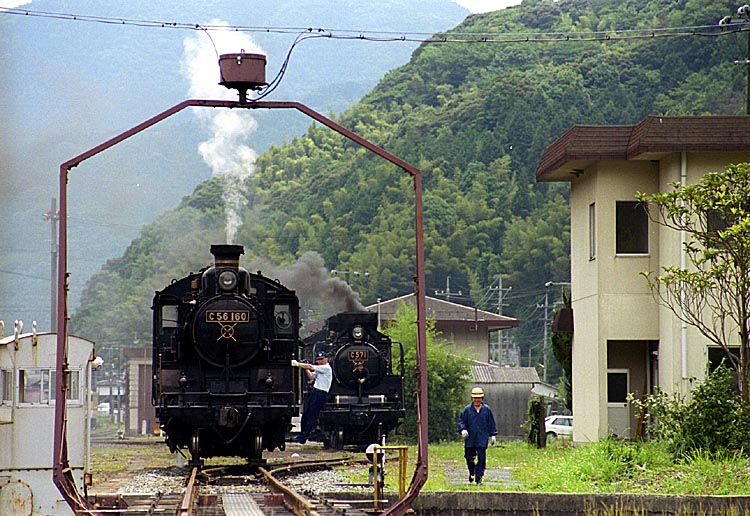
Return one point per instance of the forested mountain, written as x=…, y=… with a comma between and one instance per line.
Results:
x=77, y=72
x=475, y=118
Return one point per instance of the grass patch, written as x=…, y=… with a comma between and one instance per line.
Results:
x=607, y=466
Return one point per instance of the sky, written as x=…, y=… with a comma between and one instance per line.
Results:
x=474, y=6
x=482, y=6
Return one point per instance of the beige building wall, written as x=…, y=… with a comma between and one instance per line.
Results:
x=684, y=353
x=473, y=341
x=616, y=316
x=609, y=292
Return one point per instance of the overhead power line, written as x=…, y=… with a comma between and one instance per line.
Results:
x=406, y=36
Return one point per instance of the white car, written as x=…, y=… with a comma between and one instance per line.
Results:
x=559, y=426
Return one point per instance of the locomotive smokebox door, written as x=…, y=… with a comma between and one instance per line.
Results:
x=243, y=71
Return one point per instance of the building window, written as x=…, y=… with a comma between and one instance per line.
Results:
x=37, y=386
x=631, y=228
x=74, y=386
x=31, y=388
x=592, y=231
x=6, y=387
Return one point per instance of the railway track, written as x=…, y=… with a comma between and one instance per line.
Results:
x=236, y=490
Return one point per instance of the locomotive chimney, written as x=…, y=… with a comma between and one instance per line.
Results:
x=227, y=255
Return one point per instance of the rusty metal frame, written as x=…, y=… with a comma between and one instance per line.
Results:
x=62, y=474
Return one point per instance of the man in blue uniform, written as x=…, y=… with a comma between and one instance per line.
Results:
x=322, y=373
x=477, y=426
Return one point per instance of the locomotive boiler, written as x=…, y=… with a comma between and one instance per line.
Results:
x=366, y=399
x=223, y=339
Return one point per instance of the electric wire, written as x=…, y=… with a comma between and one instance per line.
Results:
x=406, y=36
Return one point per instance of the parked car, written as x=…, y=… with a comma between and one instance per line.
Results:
x=558, y=426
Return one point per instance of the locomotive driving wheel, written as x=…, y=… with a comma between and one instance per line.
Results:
x=195, y=448
x=337, y=438
x=255, y=447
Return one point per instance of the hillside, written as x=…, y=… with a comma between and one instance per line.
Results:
x=68, y=84
x=474, y=117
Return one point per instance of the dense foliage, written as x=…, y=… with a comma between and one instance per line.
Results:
x=714, y=420
x=474, y=118
x=447, y=376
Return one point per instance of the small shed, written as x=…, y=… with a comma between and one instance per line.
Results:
x=28, y=368
x=140, y=415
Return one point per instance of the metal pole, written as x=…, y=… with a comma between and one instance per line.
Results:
x=53, y=266
x=544, y=343
x=747, y=73
x=62, y=475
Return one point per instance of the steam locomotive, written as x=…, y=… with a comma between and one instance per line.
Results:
x=223, y=340
x=366, y=399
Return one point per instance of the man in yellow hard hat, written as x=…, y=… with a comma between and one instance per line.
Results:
x=477, y=426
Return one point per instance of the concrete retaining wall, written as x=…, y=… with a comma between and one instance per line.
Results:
x=546, y=504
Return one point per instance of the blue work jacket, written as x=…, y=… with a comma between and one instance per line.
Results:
x=481, y=425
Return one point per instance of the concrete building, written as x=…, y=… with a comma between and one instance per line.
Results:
x=623, y=342
x=469, y=328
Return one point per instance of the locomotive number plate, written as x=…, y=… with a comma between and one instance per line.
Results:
x=358, y=355
x=227, y=316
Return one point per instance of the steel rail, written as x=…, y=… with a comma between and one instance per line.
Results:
x=191, y=492
x=299, y=504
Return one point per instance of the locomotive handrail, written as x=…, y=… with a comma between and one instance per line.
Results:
x=62, y=475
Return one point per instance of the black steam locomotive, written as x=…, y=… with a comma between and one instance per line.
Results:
x=366, y=399
x=223, y=340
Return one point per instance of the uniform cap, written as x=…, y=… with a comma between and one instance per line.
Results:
x=477, y=392
x=321, y=354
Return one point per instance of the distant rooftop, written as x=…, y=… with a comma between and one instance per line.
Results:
x=446, y=312
x=491, y=373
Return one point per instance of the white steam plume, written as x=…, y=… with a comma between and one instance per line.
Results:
x=225, y=152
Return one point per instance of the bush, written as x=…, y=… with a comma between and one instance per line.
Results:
x=714, y=420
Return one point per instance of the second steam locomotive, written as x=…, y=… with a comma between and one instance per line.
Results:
x=223, y=339
x=366, y=399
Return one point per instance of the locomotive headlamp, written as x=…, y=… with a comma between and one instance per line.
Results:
x=227, y=280
x=358, y=332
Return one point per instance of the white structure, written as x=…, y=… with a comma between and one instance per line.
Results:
x=27, y=421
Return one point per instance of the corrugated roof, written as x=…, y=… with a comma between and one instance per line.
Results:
x=490, y=373
x=445, y=311
x=583, y=144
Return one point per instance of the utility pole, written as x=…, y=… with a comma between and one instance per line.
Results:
x=743, y=13
x=498, y=348
x=546, y=307
x=447, y=292
x=53, y=216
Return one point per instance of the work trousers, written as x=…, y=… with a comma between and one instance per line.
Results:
x=310, y=415
x=480, y=454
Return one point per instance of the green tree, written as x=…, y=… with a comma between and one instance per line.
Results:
x=447, y=376
x=712, y=294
